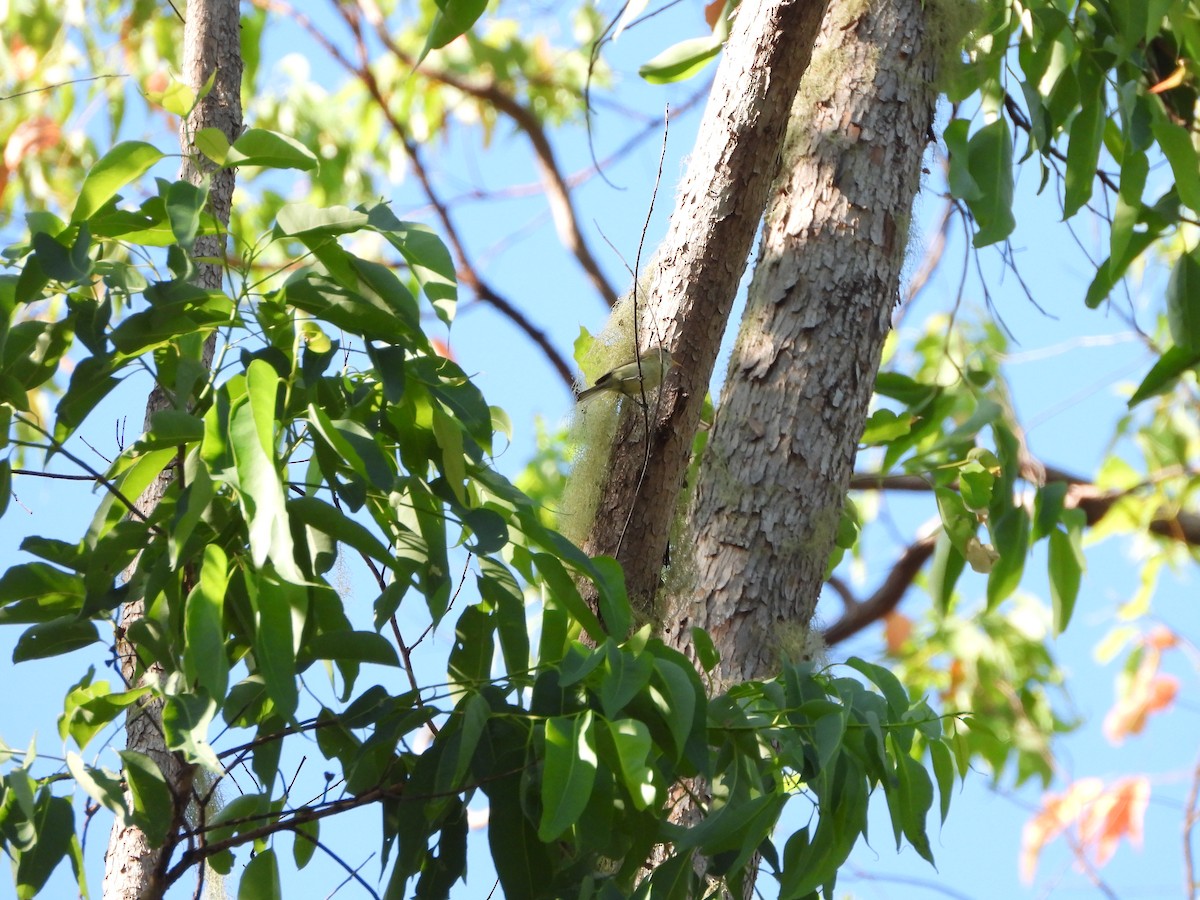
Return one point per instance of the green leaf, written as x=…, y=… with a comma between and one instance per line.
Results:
x=1165, y=373
x=260, y=878
x=358, y=646
x=37, y=592
x=498, y=587
x=279, y=607
x=569, y=773
x=915, y=800
x=54, y=638
x=884, y=425
x=706, y=650
x=54, y=825
x=122, y=164
x=153, y=808
x=67, y=264
x=305, y=845
x=633, y=744
x=990, y=162
x=184, y=203
x=1175, y=142
x=624, y=675
x=103, y=787
x=1011, y=535
x=252, y=435
x=204, y=659
x=1183, y=302
x=562, y=589
x=332, y=521
x=962, y=183
x=259, y=147
x=1066, y=570
x=298, y=219
x=186, y=718
x=888, y=683
x=471, y=655
x=681, y=61
x=453, y=19
x=1083, y=151
x=943, y=772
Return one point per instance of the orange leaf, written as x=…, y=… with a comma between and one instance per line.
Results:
x=712, y=11
x=897, y=629
x=1174, y=80
x=30, y=137
x=1118, y=812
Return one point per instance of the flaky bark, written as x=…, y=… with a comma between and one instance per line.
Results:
x=697, y=270
x=779, y=460
x=133, y=869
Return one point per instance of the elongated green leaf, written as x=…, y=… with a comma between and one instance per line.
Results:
x=356, y=646
x=252, y=432
x=471, y=656
x=498, y=587
x=184, y=203
x=260, y=879
x=204, y=659
x=1165, y=373
x=564, y=592
x=329, y=519
x=1066, y=572
x=453, y=19
x=54, y=824
x=990, y=162
x=307, y=835
x=259, y=147
x=624, y=675
x=886, y=681
x=281, y=609
x=943, y=772
x=681, y=61
x=118, y=167
x=1083, y=151
x=633, y=744
x=103, y=787
x=569, y=773
x=153, y=810
x=1011, y=534
x=1176, y=145
x=1183, y=303
x=55, y=638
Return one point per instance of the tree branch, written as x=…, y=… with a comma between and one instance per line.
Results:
x=1081, y=494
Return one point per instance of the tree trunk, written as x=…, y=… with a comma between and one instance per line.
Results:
x=212, y=41
x=696, y=274
x=778, y=463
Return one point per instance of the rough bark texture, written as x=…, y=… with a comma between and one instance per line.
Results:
x=133, y=869
x=779, y=459
x=697, y=271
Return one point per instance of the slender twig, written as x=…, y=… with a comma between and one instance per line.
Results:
x=60, y=84
x=637, y=321
x=352, y=872
x=557, y=191
x=1191, y=814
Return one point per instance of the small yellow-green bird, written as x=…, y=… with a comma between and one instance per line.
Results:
x=628, y=381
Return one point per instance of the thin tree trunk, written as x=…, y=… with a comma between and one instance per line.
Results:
x=133, y=869
x=696, y=274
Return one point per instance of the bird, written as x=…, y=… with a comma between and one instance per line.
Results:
x=629, y=379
